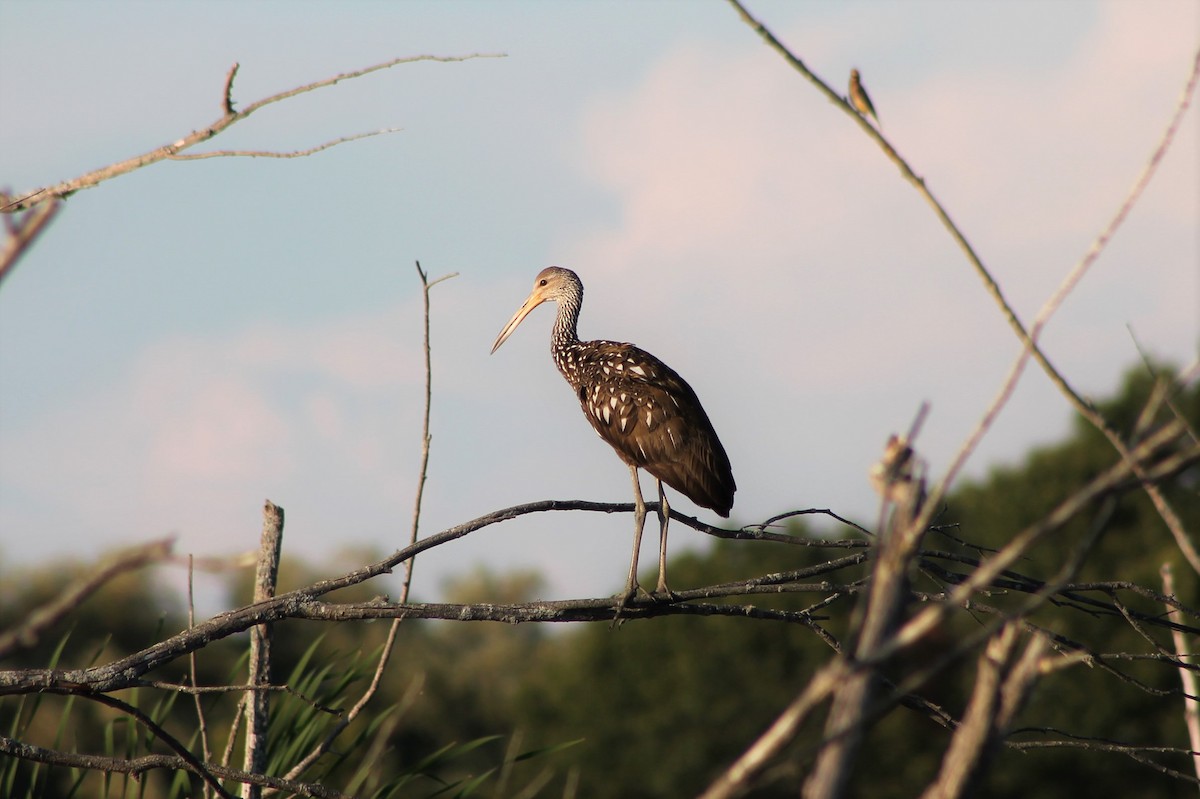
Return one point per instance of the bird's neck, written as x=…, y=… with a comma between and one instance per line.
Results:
x=565, y=331
x=564, y=339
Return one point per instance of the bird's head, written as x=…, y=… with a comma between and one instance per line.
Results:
x=553, y=283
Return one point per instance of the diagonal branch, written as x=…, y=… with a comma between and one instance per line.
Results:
x=23, y=231
x=194, y=766
x=26, y=635
x=228, y=118
x=1002, y=685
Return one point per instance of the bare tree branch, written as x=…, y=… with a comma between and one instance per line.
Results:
x=125, y=671
x=41, y=619
x=258, y=703
x=1002, y=685
x=746, y=769
x=276, y=154
x=201, y=721
x=195, y=767
x=22, y=231
x=228, y=118
x=930, y=617
x=1191, y=706
x=141, y=765
x=873, y=623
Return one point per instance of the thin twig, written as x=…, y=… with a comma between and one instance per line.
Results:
x=425, y=437
x=227, y=105
x=1029, y=339
x=277, y=154
x=192, y=669
x=386, y=651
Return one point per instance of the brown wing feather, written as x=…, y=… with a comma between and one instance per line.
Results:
x=653, y=419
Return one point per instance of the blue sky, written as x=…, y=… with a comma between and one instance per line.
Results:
x=194, y=337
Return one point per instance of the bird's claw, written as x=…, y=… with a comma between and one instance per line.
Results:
x=664, y=594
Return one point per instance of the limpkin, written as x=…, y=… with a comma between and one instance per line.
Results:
x=641, y=407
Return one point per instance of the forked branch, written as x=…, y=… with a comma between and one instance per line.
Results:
x=228, y=118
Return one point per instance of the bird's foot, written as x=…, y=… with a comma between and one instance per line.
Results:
x=662, y=593
x=630, y=593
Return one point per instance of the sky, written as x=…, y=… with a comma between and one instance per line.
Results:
x=193, y=338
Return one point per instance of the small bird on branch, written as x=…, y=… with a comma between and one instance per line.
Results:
x=861, y=100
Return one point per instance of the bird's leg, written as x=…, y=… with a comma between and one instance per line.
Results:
x=664, y=518
x=639, y=521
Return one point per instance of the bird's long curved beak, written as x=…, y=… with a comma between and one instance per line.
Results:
x=534, y=300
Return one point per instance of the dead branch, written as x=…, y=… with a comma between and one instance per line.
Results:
x=228, y=118
x=113, y=676
x=1191, y=705
x=1002, y=685
x=41, y=619
x=141, y=765
x=22, y=231
x=276, y=154
x=930, y=617
x=258, y=703
x=198, y=770
x=849, y=680
x=873, y=622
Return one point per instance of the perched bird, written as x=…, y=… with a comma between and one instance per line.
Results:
x=860, y=99
x=641, y=407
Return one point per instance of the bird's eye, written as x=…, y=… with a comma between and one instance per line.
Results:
x=542, y=282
